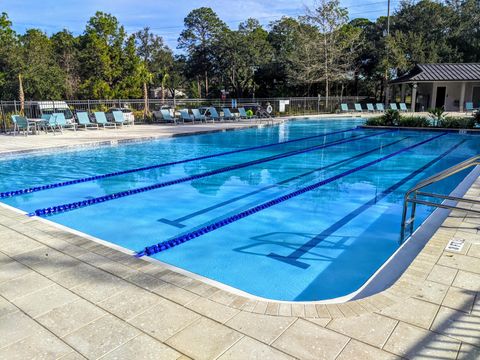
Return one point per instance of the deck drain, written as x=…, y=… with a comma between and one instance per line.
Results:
x=455, y=245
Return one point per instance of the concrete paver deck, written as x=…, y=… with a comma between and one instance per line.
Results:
x=64, y=296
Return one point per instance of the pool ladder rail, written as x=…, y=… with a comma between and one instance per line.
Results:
x=411, y=196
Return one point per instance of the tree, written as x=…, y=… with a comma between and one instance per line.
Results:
x=326, y=46
x=157, y=56
x=199, y=38
x=466, y=31
x=101, y=47
x=283, y=37
x=42, y=78
x=9, y=58
x=65, y=47
x=241, y=53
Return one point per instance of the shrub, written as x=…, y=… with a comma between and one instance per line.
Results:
x=457, y=122
x=374, y=121
x=476, y=118
x=437, y=115
x=413, y=121
x=391, y=117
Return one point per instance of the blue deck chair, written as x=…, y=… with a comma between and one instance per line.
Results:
x=370, y=108
x=84, y=120
x=469, y=107
x=227, y=114
x=403, y=107
x=118, y=117
x=380, y=107
x=49, y=122
x=101, y=120
x=214, y=114
x=167, y=117
x=243, y=114
x=358, y=107
x=185, y=116
x=62, y=122
x=344, y=108
x=21, y=123
x=393, y=106
x=198, y=116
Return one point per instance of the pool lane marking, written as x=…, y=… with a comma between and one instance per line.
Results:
x=178, y=222
x=292, y=259
x=80, y=204
x=164, y=245
x=30, y=190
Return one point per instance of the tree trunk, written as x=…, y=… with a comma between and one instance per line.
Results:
x=145, y=100
x=326, y=72
x=21, y=94
x=199, y=89
x=206, y=84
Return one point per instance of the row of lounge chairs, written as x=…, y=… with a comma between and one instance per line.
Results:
x=371, y=108
x=57, y=121
x=211, y=114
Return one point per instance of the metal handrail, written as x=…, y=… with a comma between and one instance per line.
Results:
x=412, y=194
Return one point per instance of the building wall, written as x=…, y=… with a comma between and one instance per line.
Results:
x=469, y=92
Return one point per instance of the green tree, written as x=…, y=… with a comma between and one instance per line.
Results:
x=65, y=47
x=42, y=76
x=157, y=56
x=101, y=54
x=9, y=58
x=241, y=53
x=202, y=30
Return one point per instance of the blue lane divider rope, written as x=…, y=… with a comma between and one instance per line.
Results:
x=79, y=204
x=164, y=245
x=30, y=190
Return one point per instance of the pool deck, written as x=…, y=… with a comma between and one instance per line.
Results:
x=65, y=296
x=10, y=144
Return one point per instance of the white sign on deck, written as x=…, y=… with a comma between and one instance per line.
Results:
x=455, y=245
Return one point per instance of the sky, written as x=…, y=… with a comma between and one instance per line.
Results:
x=164, y=17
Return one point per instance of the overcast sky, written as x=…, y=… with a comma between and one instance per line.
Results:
x=164, y=17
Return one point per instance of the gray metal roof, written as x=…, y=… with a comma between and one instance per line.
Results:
x=441, y=72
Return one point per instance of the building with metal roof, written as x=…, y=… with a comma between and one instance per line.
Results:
x=450, y=86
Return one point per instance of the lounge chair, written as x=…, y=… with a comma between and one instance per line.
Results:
x=62, y=122
x=118, y=117
x=380, y=107
x=21, y=123
x=198, y=116
x=49, y=122
x=370, y=108
x=393, y=106
x=227, y=114
x=243, y=114
x=185, y=116
x=358, y=107
x=84, y=120
x=101, y=119
x=403, y=107
x=167, y=117
x=214, y=114
x=344, y=108
x=469, y=107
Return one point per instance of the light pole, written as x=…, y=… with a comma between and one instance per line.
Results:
x=386, y=54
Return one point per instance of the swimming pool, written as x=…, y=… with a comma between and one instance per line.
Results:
x=306, y=210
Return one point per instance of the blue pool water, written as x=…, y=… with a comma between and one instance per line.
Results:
x=324, y=242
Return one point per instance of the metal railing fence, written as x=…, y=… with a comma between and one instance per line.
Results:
x=293, y=106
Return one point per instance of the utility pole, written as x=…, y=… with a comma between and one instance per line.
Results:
x=386, y=53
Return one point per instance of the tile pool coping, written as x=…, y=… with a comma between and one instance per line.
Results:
x=437, y=293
